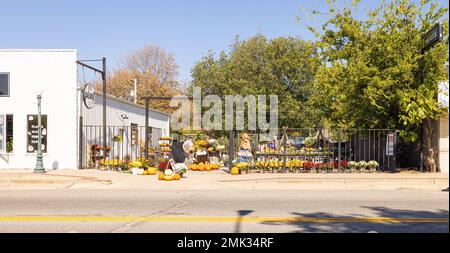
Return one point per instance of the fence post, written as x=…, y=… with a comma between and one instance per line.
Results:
x=147, y=105
x=339, y=149
x=231, y=150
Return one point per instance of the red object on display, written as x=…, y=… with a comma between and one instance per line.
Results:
x=163, y=165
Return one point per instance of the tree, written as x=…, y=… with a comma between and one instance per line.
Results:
x=152, y=61
x=371, y=68
x=283, y=66
x=155, y=71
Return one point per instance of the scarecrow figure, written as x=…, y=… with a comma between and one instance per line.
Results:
x=245, y=149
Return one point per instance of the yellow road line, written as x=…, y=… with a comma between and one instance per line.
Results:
x=216, y=219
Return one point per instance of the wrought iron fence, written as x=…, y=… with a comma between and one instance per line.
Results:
x=124, y=144
x=322, y=145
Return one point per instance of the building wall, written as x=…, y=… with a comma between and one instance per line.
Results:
x=443, y=144
x=115, y=107
x=135, y=114
x=55, y=72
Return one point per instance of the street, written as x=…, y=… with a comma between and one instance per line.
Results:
x=223, y=211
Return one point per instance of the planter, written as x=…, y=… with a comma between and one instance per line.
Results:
x=137, y=171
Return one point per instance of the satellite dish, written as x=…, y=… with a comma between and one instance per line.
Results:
x=89, y=95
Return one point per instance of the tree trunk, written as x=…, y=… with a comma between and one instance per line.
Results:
x=428, y=147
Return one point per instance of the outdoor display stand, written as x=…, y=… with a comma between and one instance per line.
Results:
x=165, y=147
x=201, y=157
x=316, y=150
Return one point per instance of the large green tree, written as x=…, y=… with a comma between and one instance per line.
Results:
x=371, y=74
x=283, y=66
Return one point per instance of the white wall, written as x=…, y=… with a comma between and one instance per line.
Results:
x=116, y=107
x=93, y=121
x=55, y=72
x=443, y=144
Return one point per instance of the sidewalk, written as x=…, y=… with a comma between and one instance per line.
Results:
x=95, y=179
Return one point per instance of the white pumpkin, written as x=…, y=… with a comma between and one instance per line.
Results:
x=168, y=172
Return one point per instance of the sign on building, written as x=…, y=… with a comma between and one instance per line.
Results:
x=32, y=133
x=134, y=134
x=89, y=96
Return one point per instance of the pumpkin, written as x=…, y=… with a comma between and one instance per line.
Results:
x=208, y=167
x=235, y=171
x=161, y=176
x=201, y=167
x=152, y=171
x=168, y=178
x=177, y=177
x=168, y=172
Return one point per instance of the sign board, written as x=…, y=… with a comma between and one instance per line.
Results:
x=390, y=142
x=443, y=94
x=433, y=36
x=32, y=133
x=89, y=95
x=134, y=134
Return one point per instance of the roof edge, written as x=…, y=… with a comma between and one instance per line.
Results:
x=109, y=96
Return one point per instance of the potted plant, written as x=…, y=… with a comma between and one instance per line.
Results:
x=136, y=168
x=373, y=165
x=362, y=166
x=352, y=165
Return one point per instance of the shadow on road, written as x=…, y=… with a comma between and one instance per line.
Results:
x=372, y=227
x=241, y=214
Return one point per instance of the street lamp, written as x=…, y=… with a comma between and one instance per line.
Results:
x=39, y=162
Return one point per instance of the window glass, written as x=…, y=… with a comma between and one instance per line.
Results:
x=2, y=133
x=9, y=133
x=4, y=84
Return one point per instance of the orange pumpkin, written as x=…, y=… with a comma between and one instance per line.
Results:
x=235, y=171
x=176, y=177
x=168, y=178
x=152, y=171
x=161, y=176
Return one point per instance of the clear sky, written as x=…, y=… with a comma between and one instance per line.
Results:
x=186, y=28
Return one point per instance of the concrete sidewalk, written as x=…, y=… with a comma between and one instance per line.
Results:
x=95, y=179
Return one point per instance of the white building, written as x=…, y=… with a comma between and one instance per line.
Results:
x=443, y=127
x=54, y=72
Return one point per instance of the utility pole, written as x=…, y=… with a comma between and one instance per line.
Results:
x=104, y=104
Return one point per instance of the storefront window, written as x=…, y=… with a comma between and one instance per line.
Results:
x=4, y=84
x=6, y=133
x=2, y=133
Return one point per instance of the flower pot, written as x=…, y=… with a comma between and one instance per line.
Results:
x=137, y=171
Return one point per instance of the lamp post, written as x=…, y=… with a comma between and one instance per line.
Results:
x=39, y=162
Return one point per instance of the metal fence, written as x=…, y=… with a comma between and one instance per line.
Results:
x=124, y=144
x=325, y=145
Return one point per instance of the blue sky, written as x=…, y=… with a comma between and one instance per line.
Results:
x=186, y=28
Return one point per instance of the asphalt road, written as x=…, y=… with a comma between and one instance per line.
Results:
x=128, y=211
